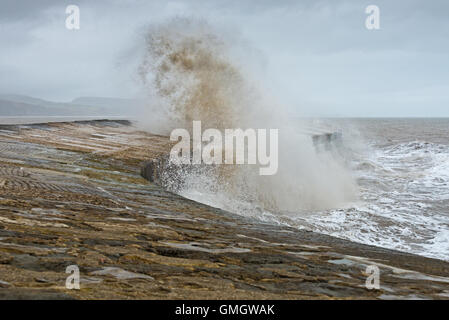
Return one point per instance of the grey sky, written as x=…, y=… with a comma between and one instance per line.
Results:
x=319, y=57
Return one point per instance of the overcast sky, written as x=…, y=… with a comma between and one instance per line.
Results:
x=318, y=55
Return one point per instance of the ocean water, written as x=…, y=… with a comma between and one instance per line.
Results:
x=401, y=168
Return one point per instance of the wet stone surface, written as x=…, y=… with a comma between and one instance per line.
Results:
x=72, y=194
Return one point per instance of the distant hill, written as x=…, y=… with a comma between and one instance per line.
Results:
x=20, y=105
x=23, y=99
x=113, y=103
x=11, y=108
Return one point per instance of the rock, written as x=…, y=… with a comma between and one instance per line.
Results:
x=120, y=274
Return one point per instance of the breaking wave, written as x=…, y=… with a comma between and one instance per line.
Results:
x=380, y=192
x=403, y=201
x=194, y=71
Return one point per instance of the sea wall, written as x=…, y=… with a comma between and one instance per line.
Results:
x=71, y=194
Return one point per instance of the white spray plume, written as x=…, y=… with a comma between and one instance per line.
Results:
x=193, y=71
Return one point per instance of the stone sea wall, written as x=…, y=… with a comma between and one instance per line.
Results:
x=73, y=194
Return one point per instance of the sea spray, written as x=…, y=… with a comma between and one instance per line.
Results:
x=194, y=71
